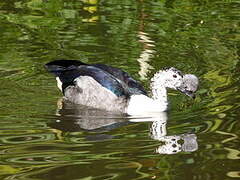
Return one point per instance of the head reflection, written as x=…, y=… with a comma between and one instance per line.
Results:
x=169, y=144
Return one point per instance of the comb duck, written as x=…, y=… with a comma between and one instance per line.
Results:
x=111, y=89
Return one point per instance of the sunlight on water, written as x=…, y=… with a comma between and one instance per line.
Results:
x=43, y=137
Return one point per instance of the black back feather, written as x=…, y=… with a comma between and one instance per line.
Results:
x=134, y=86
x=114, y=79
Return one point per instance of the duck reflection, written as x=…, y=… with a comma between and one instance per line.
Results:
x=72, y=117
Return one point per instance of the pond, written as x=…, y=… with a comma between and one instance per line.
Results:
x=43, y=138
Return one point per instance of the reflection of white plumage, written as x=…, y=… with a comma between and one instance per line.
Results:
x=105, y=87
x=178, y=143
x=172, y=144
x=169, y=144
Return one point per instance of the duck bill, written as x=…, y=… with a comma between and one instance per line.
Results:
x=188, y=93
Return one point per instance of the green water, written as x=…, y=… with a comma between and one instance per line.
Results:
x=41, y=138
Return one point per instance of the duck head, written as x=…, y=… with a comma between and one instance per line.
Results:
x=174, y=79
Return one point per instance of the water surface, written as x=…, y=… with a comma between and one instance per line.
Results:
x=43, y=138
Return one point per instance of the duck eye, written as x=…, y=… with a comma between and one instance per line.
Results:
x=175, y=76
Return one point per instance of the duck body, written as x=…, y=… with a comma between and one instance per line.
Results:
x=109, y=88
x=96, y=85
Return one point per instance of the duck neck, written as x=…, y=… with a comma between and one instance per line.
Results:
x=159, y=91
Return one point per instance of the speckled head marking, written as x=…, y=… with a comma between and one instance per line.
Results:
x=169, y=78
x=173, y=69
x=174, y=79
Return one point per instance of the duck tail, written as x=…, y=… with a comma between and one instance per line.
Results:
x=57, y=67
